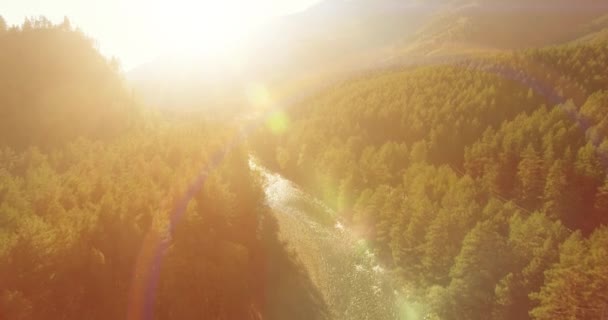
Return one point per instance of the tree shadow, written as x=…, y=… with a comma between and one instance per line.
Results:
x=288, y=291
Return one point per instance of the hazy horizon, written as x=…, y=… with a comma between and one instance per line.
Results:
x=138, y=32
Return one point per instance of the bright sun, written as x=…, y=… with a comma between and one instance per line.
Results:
x=206, y=26
x=138, y=31
x=200, y=25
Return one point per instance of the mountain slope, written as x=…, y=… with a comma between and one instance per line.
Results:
x=328, y=38
x=474, y=180
x=336, y=38
x=494, y=24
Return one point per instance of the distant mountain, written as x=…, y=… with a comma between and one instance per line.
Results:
x=498, y=25
x=329, y=37
x=336, y=37
x=594, y=31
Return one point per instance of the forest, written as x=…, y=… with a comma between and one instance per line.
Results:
x=481, y=182
x=110, y=211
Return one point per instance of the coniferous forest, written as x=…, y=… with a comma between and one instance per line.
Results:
x=478, y=181
x=103, y=204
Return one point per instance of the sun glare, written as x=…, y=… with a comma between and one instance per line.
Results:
x=140, y=31
x=201, y=26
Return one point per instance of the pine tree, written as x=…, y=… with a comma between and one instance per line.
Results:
x=589, y=176
x=577, y=286
x=530, y=177
x=476, y=271
x=556, y=191
x=439, y=249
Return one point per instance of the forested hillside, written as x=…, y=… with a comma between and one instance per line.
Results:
x=109, y=212
x=489, y=25
x=55, y=86
x=481, y=183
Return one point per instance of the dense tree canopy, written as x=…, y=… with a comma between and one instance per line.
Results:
x=470, y=178
x=482, y=184
x=56, y=86
x=107, y=212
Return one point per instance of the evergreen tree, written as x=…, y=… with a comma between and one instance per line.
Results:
x=530, y=177
x=555, y=196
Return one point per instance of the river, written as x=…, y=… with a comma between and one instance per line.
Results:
x=350, y=282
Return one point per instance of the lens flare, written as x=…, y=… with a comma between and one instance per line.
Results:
x=278, y=122
x=145, y=279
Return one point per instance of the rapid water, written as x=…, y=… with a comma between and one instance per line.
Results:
x=344, y=271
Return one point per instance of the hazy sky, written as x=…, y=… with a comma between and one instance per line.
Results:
x=137, y=31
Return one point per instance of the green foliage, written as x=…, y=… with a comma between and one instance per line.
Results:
x=466, y=178
x=75, y=222
x=577, y=286
x=92, y=194
x=55, y=87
